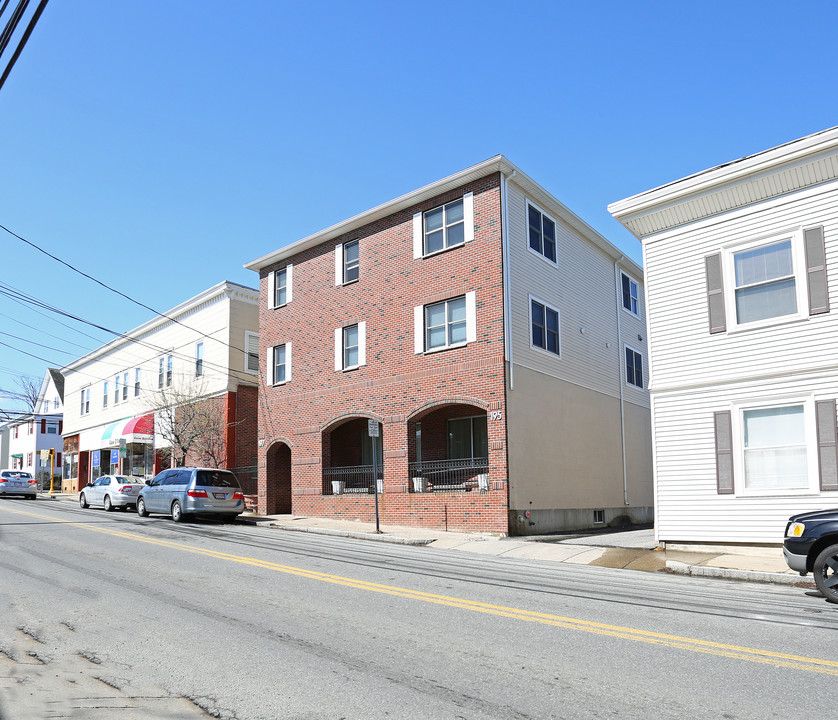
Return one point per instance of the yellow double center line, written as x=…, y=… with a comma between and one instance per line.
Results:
x=766, y=657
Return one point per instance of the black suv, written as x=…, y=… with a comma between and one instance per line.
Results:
x=811, y=546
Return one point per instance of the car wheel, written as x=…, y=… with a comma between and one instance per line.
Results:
x=108, y=505
x=177, y=512
x=826, y=572
x=141, y=511
x=83, y=501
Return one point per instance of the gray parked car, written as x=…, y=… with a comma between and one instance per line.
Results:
x=111, y=491
x=18, y=482
x=184, y=491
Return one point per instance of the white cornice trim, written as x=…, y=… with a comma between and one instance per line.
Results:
x=792, y=166
x=216, y=292
x=498, y=163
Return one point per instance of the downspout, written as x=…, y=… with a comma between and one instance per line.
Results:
x=618, y=305
x=507, y=292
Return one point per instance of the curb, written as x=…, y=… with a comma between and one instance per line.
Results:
x=681, y=568
x=353, y=534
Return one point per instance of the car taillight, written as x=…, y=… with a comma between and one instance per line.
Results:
x=126, y=488
x=33, y=482
x=196, y=493
x=238, y=496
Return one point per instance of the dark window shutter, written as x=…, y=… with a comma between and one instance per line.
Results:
x=58, y=459
x=715, y=293
x=60, y=426
x=724, y=452
x=816, y=271
x=827, y=445
x=43, y=427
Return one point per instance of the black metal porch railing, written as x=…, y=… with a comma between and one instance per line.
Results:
x=350, y=479
x=446, y=475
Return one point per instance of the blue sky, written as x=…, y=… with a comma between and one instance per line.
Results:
x=160, y=145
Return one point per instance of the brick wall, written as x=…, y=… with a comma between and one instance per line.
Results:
x=304, y=423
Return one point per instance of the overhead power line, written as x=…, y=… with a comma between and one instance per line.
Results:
x=19, y=49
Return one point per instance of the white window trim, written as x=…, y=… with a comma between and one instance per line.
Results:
x=269, y=363
x=362, y=347
x=626, y=382
x=419, y=325
x=338, y=264
x=810, y=428
x=538, y=348
x=289, y=286
x=551, y=263
x=419, y=227
x=801, y=287
x=198, y=344
x=631, y=280
x=247, y=335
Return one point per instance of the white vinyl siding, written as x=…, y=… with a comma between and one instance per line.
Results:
x=676, y=276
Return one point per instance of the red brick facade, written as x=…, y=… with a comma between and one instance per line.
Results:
x=310, y=422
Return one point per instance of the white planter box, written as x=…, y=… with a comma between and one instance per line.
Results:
x=338, y=486
x=483, y=482
x=420, y=484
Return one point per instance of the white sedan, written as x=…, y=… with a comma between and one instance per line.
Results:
x=111, y=491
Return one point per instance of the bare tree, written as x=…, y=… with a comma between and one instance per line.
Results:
x=192, y=424
x=27, y=393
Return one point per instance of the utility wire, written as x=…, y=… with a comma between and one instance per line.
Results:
x=19, y=49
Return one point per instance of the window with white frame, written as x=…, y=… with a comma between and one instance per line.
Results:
x=199, y=359
x=105, y=394
x=85, y=401
x=116, y=389
x=445, y=324
x=281, y=287
x=136, y=382
x=350, y=346
x=444, y=227
x=168, y=371
x=634, y=367
x=125, y=385
x=542, y=233
x=545, y=326
x=161, y=372
x=775, y=448
x=279, y=364
x=767, y=281
x=351, y=261
x=251, y=348
x=629, y=287
x=52, y=427
x=29, y=459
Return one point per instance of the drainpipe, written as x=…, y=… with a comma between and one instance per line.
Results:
x=507, y=291
x=618, y=305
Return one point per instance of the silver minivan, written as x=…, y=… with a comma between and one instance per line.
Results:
x=184, y=491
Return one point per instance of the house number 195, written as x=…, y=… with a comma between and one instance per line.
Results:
x=496, y=415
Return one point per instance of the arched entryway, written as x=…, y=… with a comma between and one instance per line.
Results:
x=278, y=479
x=448, y=448
x=348, y=457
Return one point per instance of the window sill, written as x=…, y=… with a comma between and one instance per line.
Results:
x=276, y=307
x=545, y=351
x=279, y=384
x=779, y=493
x=551, y=263
x=349, y=282
x=443, y=349
x=769, y=323
x=350, y=368
x=630, y=312
x=440, y=252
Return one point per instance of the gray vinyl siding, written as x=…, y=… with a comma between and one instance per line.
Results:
x=583, y=288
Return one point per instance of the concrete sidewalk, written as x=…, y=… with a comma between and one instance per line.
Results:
x=632, y=549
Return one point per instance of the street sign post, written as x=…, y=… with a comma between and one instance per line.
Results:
x=372, y=431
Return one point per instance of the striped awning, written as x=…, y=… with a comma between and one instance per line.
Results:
x=141, y=425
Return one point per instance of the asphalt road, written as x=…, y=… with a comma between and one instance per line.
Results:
x=107, y=615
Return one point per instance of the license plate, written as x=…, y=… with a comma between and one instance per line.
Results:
x=220, y=496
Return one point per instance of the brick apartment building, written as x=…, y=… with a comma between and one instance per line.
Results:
x=496, y=340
